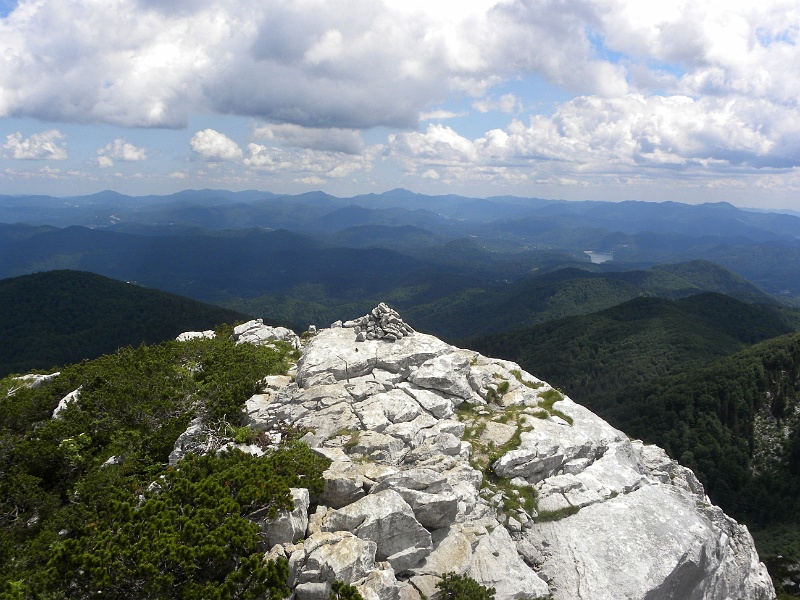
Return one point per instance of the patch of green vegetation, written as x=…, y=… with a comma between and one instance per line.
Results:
x=496, y=393
x=557, y=515
x=73, y=527
x=353, y=441
x=461, y=587
x=344, y=432
x=343, y=591
x=519, y=497
x=530, y=384
x=473, y=432
x=512, y=444
x=465, y=410
x=548, y=399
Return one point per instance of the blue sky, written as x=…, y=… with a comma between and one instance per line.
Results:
x=579, y=99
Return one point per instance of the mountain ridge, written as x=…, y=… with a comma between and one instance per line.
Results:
x=430, y=460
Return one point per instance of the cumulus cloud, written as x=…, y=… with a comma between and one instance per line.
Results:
x=214, y=145
x=319, y=64
x=47, y=145
x=619, y=135
x=369, y=63
x=507, y=103
x=332, y=139
x=119, y=149
x=438, y=115
x=316, y=163
x=666, y=87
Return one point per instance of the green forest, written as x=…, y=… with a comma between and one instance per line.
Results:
x=87, y=506
x=62, y=317
x=712, y=380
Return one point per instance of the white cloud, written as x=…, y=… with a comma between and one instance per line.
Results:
x=438, y=145
x=119, y=149
x=317, y=163
x=46, y=145
x=438, y=115
x=47, y=172
x=589, y=134
x=310, y=180
x=332, y=139
x=214, y=145
x=358, y=64
x=368, y=63
x=507, y=103
x=669, y=88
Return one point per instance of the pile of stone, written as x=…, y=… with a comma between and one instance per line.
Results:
x=381, y=323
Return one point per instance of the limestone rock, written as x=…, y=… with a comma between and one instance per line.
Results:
x=380, y=584
x=403, y=502
x=386, y=519
x=436, y=403
x=430, y=496
x=335, y=352
x=329, y=556
x=685, y=555
x=344, y=484
x=66, y=401
x=381, y=323
x=191, y=440
x=288, y=526
x=193, y=335
x=452, y=552
x=495, y=563
x=446, y=373
x=255, y=332
x=31, y=380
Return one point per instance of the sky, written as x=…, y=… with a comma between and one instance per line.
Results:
x=692, y=101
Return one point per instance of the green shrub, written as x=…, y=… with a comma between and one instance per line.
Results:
x=557, y=515
x=71, y=527
x=342, y=591
x=548, y=399
x=186, y=537
x=460, y=587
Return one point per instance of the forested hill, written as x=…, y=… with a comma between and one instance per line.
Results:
x=689, y=375
x=60, y=317
x=451, y=305
x=593, y=356
x=692, y=377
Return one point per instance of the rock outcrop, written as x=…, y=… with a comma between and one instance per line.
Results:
x=444, y=460
x=252, y=332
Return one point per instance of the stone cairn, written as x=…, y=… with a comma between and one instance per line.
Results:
x=381, y=323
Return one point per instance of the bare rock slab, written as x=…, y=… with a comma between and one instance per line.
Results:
x=386, y=519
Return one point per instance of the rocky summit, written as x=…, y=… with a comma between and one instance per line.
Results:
x=444, y=460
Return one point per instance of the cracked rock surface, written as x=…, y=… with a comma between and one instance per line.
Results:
x=437, y=453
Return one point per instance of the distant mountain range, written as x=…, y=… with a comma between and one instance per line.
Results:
x=494, y=239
